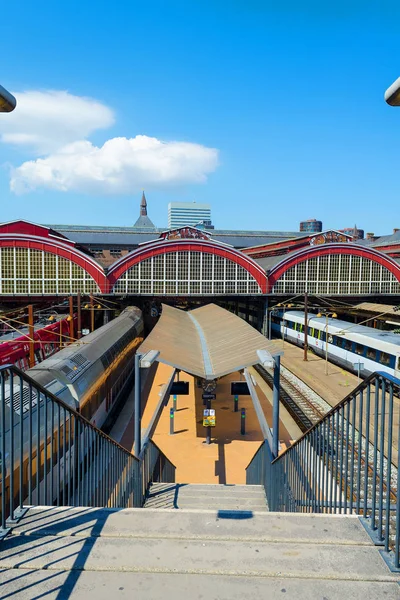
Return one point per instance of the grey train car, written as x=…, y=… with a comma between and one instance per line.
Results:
x=90, y=376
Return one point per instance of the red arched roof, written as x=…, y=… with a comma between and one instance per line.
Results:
x=324, y=249
x=65, y=250
x=156, y=248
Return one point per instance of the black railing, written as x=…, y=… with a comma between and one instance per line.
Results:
x=155, y=467
x=51, y=455
x=345, y=464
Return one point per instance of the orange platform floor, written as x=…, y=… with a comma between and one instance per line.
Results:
x=226, y=458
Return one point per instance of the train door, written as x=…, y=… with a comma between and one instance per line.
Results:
x=397, y=367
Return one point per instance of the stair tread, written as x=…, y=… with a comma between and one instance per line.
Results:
x=192, y=523
x=217, y=557
x=103, y=585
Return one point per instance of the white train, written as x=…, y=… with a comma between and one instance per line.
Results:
x=354, y=347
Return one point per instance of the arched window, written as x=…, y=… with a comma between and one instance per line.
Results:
x=27, y=271
x=187, y=273
x=337, y=274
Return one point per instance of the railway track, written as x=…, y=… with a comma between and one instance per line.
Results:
x=299, y=403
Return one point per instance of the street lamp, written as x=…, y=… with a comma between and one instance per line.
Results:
x=265, y=358
x=142, y=361
x=7, y=101
x=326, y=315
x=392, y=94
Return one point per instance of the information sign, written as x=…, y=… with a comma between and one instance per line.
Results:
x=239, y=388
x=180, y=388
x=209, y=417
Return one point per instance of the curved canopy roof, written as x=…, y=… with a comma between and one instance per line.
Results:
x=208, y=342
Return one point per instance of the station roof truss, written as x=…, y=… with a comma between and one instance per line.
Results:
x=207, y=342
x=37, y=261
x=187, y=267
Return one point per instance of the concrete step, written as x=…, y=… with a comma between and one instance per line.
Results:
x=223, y=497
x=192, y=524
x=91, y=585
x=90, y=553
x=254, y=491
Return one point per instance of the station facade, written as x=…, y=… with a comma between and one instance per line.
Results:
x=38, y=261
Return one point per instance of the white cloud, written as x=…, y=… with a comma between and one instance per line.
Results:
x=47, y=120
x=120, y=166
x=54, y=127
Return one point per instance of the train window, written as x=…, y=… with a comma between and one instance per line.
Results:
x=311, y=331
x=384, y=359
x=301, y=328
x=359, y=349
x=371, y=353
x=347, y=345
x=335, y=340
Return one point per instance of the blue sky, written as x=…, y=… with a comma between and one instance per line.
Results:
x=272, y=113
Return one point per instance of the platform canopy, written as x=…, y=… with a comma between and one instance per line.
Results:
x=208, y=342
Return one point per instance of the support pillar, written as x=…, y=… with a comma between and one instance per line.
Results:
x=91, y=313
x=138, y=416
x=31, y=337
x=275, y=413
x=265, y=327
x=78, y=310
x=71, y=321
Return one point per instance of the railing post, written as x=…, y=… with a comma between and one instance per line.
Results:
x=4, y=530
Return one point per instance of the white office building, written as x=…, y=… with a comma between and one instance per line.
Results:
x=188, y=213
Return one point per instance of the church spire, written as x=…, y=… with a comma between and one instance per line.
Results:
x=143, y=221
x=143, y=206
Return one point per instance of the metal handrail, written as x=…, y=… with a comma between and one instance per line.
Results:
x=54, y=456
x=345, y=400
x=347, y=463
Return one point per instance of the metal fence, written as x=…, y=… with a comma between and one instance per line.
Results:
x=346, y=464
x=51, y=455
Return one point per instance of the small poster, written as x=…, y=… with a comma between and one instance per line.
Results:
x=209, y=417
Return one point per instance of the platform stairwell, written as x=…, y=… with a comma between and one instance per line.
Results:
x=95, y=554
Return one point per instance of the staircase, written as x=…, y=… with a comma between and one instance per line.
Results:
x=96, y=554
x=207, y=497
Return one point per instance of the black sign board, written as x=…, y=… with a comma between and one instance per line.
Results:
x=239, y=388
x=206, y=396
x=180, y=388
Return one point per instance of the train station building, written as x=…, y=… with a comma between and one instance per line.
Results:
x=38, y=261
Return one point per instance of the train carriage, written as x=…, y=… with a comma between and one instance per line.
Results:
x=14, y=346
x=358, y=348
